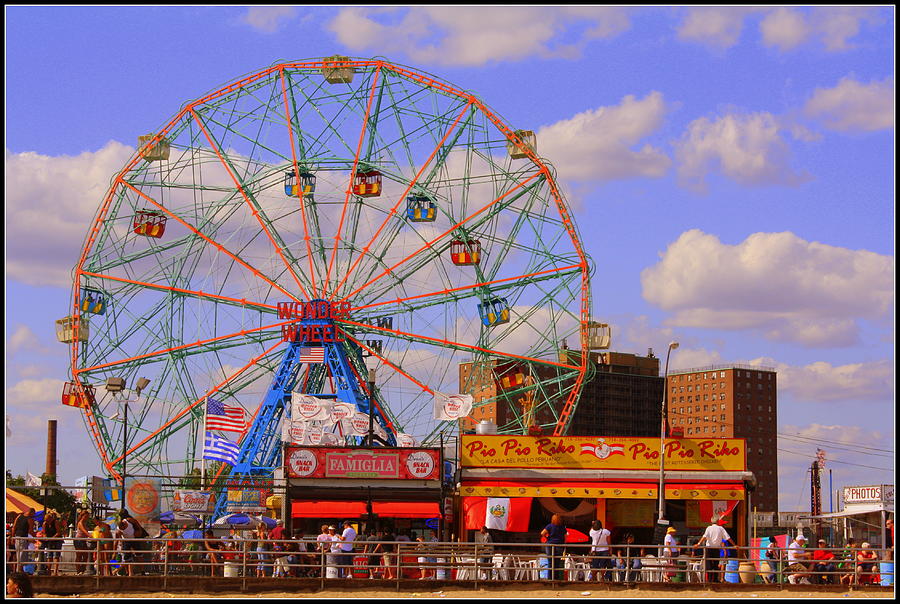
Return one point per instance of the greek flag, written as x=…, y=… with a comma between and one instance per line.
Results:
x=220, y=449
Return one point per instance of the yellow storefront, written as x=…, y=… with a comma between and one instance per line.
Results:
x=615, y=480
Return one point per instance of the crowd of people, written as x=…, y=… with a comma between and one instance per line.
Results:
x=121, y=546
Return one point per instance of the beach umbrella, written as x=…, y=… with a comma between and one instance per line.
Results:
x=171, y=517
x=192, y=534
x=572, y=536
x=244, y=521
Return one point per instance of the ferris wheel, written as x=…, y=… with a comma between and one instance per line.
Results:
x=356, y=198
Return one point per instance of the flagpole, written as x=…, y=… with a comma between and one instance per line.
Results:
x=203, y=456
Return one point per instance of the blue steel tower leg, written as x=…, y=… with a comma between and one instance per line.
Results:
x=261, y=446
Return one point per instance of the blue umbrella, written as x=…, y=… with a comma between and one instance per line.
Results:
x=192, y=534
x=245, y=520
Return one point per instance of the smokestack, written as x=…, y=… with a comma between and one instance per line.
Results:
x=51, y=447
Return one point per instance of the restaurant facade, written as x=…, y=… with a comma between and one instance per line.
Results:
x=524, y=480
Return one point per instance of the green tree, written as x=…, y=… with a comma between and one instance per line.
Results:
x=57, y=498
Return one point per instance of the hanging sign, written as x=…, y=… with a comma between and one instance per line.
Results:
x=307, y=408
x=613, y=453
x=451, y=407
x=377, y=462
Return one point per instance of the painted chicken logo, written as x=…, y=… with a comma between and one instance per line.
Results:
x=601, y=450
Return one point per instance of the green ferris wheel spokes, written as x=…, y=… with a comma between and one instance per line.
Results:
x=384, y=188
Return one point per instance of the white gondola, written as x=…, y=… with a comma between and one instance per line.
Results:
x=153, y=151
x=528, y=141
x=336, y=71
x=599, y=335
x=66, y=327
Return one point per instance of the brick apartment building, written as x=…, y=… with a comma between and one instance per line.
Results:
x=622, y=398
x=732, y=401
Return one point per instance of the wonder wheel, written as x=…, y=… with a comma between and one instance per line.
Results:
x=431, y=236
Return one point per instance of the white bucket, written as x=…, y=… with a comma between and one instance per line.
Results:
x=331, y=570
x=231, y=569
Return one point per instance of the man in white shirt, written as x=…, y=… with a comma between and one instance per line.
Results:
x=796, y=557
x=347, y=537
x=712, y=538
x=601, y=561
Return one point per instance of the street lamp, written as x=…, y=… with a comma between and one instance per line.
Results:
x=115, y=385
x=662, y=437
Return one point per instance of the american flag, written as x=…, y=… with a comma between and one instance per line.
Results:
x=219, y=448
x=310, y=354
x=224, y=417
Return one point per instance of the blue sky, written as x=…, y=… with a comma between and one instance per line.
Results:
x=730, y=169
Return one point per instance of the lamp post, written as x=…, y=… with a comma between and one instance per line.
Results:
x=662, y=436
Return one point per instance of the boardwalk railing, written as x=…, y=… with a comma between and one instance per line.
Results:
x=445, y=561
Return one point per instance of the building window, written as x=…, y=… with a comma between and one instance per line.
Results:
x=705, y=429
x=723, y=417
x=721, y=374
x=713, y=428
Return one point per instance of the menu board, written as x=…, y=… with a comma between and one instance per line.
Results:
x=631, y=512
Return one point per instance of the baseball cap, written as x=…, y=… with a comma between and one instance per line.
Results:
x=671, y=529
x=332, y=528
x=801, y=537
x=279, y=522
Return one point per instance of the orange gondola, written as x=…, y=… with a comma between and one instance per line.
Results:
x=73, y=397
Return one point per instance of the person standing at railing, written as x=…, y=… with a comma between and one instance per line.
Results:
x=53, y=531
x=212, y=547
x=601, y=561
x=712, y=540
x=23, y=529
x=347, y=537
x=555, y=538
x=105, y=548
x=83, y=527
x=260, y=536
x=773, y=557
x=125, y=539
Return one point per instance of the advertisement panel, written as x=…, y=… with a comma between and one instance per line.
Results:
x=193, y=502
x=142, y=498
x=247, y=501
x=594, y=453
x=377, y=463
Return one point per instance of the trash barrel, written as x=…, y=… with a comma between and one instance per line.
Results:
x=230, y=569
x=731, y=572
x=887, y=573
x=680, y=573
x=361, y=567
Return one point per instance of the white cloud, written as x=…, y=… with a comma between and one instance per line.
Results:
x=22, y=339
x=719, y=27
x=268, y=19
x=853, y=106
x=823, y=382
x=784, y=28
x=787, y=288
x=32, y=393
x=748, y=149
x=599, y=144
x=50, y=202
x=473, y=35
x=836, y=25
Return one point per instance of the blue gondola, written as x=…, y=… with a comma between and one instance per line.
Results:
x=494, y=312
x=93, y=301
x=420, y=208
x=307, y=184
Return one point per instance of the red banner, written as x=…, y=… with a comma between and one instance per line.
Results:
x=376, y=463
